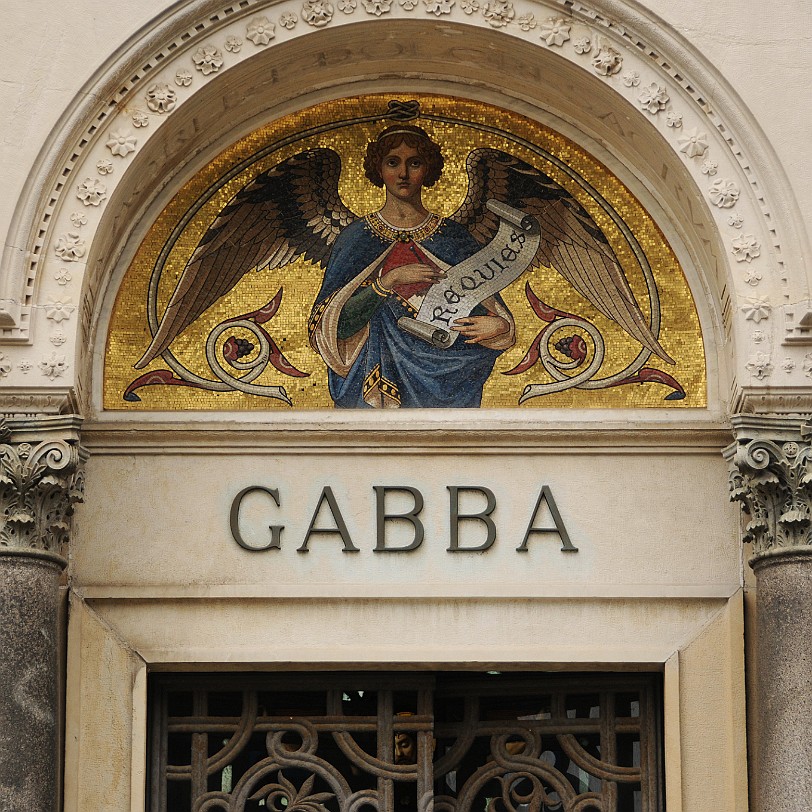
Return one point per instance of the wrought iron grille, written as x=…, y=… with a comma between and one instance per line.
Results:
x=451, y=742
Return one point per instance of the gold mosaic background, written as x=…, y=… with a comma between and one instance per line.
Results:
x=129, y=334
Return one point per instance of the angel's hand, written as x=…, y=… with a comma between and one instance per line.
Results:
x=477, y=329
x=411, y=274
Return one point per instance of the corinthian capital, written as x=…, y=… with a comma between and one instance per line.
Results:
x=771, y=477
x=41, y=478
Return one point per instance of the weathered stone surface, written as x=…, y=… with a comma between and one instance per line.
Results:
x=784, y=618
x=29, y=760
x=771, y=477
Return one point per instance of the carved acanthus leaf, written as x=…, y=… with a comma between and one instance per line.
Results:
x=772, y=480
x=39, y=484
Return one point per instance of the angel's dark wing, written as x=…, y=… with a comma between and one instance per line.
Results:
x=571, y=241
x=291, y=211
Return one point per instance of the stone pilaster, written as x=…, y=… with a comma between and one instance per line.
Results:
x=771, y=476
x=40, y=480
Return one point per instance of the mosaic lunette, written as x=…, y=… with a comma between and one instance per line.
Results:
x=541, y=293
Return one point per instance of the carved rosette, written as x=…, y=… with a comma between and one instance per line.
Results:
x=39, y=484
x=772, y=480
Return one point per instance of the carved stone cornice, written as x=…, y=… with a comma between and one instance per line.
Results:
x=771, y=477
x=768, y=400
x=36, y=402
x=41, y=478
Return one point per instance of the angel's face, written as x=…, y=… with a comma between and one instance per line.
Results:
x=403, y=172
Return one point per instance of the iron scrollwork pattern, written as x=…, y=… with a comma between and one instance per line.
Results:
x=772, y=480
x=39, y=484
x=417, y=743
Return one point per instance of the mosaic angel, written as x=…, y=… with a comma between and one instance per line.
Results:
x=378, y=268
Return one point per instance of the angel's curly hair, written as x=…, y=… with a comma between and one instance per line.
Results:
x=391, y=138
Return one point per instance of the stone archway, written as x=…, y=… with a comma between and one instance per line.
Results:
x=633, y=90
x=610, y=76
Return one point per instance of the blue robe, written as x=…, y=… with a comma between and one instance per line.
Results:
x=393, y=366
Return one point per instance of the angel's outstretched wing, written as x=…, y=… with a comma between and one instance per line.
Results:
x=571, y=241
x=291, y=211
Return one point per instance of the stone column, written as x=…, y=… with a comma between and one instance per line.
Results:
x=771, y=476
x=40, y=480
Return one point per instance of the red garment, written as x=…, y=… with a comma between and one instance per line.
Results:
x=407, y=253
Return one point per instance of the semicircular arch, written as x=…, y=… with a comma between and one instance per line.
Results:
x=613, y=79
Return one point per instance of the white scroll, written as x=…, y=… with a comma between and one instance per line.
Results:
x=502, y=261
